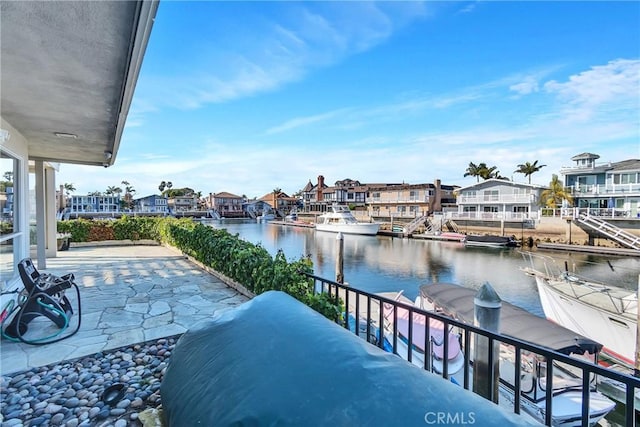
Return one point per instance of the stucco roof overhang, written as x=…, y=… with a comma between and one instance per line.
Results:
x=71, y=67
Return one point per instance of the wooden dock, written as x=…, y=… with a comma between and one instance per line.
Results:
x=603, y=250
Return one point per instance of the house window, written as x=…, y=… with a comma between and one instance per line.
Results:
x=625, y=178
x=376, y=196
x=491, y=196
x=413, y=195
x=490, y=209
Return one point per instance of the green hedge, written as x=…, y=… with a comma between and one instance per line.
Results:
x=248, y=264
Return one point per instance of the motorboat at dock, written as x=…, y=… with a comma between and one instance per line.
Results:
x=340, y=219
x=457, y=302
x=597, y=310
x=490, y=241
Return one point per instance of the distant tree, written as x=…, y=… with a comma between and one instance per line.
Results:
x=129, y=191
x=473, y=170
x=113, y=190
x=487, y=172
x=529, y=169
x=69, y=188
x=483, y=171
x=95, y=193
x=162, y=186
x=8, y=176
x=555, y=194
x=496, y=175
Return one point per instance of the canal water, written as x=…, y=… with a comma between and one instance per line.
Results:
x=383, y=264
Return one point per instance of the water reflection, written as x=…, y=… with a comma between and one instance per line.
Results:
x=378, y=264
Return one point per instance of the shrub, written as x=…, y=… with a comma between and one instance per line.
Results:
x=248, y=264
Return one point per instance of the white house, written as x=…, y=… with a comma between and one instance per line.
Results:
x=497, y=199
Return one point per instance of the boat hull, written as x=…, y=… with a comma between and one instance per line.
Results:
x=363, y=228
x=616, y=332
x=490, y=241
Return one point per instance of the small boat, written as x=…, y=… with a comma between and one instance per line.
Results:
x=435, y=343
x=490, y=241
x=292, y=217
x=457, y=302
x=267, y=215
x=599, y=311
x=341, y=220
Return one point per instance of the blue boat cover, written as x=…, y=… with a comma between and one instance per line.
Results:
x=274, y=361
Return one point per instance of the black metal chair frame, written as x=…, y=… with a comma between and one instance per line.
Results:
x=43, y=295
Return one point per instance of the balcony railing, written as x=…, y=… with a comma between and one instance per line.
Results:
x=499, y=198
x=604, y=213
x=493, y=216
x=360, y=306
x=606, y=190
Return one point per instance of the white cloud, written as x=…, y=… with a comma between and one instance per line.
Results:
x=601, y=89
x=283, y=49
x=529, y=85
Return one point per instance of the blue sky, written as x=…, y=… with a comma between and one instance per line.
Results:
x=246, y=97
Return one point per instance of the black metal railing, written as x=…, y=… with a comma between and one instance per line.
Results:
x=353, y=299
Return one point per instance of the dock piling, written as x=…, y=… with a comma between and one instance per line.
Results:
x=486, y=361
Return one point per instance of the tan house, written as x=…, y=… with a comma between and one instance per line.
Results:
x=280, y=201
x=226, y=204
x=409, y=200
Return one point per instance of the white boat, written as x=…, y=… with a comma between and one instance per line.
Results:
x=435, y=343
x=341, y=220
x=490, y=241
x=601, y=312
x=267, y=215
x=458, y=302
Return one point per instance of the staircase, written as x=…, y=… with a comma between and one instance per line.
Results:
x=609, y=231
x=413, y=225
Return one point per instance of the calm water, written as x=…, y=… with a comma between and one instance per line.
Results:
x=380, y=263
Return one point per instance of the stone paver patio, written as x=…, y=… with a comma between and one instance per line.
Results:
x=129, y=294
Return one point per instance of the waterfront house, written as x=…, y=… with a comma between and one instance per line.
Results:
x=610, y=189
x=312, y=196
x=226, y=204
x=409, y=200
x=152, y=204
x=498, y=200
x=184, y=203
x=280, y=201
x=94, y=203
x=346, y=191
x=69, y=70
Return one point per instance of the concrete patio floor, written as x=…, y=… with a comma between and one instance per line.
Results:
x=129, y=294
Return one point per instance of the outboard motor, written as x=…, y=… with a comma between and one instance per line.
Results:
x=43, y=295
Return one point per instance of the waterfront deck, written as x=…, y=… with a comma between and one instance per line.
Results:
x=129, y=294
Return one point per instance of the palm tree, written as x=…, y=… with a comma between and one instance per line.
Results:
x=473, y=170
x=112, y=189
x=496, y=175
x=486, y=172
x=128, y=193
x=69, y=188
x=162, y=186
x=529, y=169
x=555, y=194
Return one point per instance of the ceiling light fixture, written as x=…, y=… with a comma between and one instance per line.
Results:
x=65, y=135
x=108, y=155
